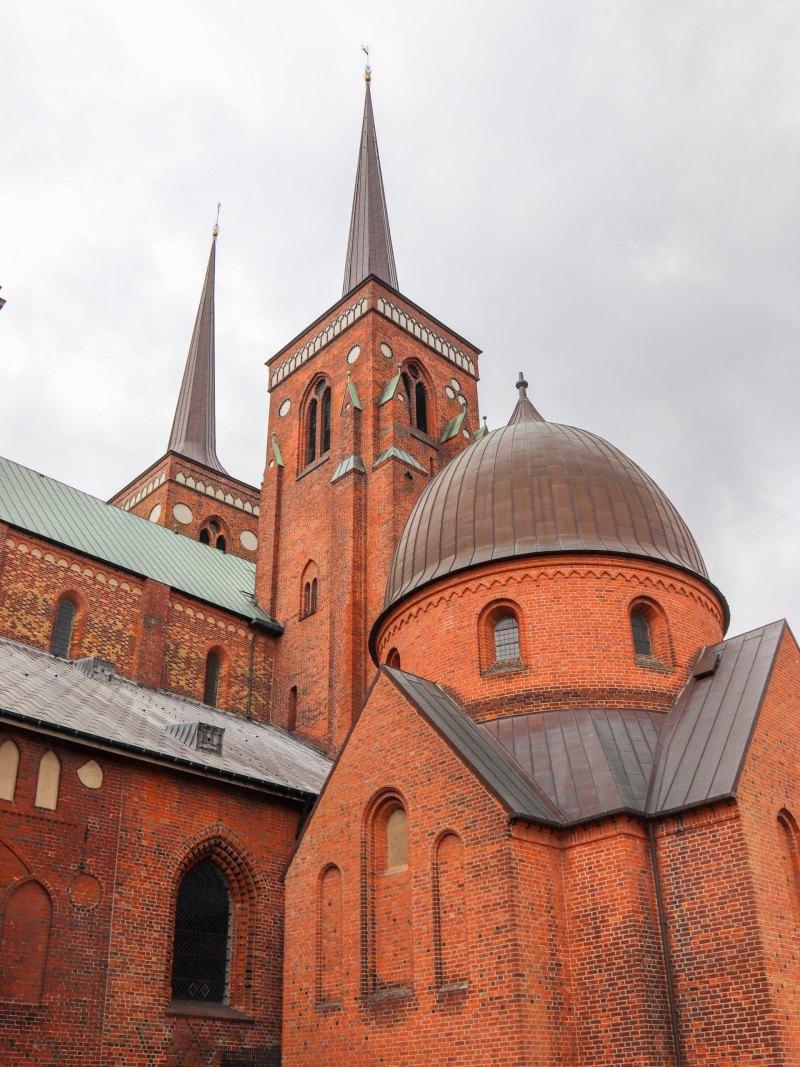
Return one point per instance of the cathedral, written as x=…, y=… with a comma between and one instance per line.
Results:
x=431, y=750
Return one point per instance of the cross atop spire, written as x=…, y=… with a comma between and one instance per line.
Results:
x=369, y=246
x=524, y=410
x=194, y=433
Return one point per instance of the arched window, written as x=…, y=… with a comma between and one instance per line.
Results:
x=48, y=781
x=311, y=431
x=9, y=764
x=790, y=840
x=318, y=422
x=211, y=686
x=25, y=940
x=212, y=533
x=62, y=628
x=506, y=639
x=393, y=659
x=640, y=629
x=202, y=936
x=389, y=896
x=417, y=396
x=308, y=582
x=291, y=712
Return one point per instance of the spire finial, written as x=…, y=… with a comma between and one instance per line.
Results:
x=367, y=67
x=524, y=410
x=215, y=231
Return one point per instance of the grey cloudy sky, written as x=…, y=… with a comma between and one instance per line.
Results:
x=603, y=194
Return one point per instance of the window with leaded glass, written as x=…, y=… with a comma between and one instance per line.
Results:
x=640, y=628
x=62, y=629
x=202, y=936
x=506, y=639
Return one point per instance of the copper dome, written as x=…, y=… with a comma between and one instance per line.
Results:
x=535, y=487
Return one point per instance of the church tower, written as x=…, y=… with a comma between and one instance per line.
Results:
x=367, y=404
x=188, y=489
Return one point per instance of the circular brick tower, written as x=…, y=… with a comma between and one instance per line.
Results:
x=543, y=568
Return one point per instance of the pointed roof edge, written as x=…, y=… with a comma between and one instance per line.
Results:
x=369, y=243
x=524, y=411
x=194, y=433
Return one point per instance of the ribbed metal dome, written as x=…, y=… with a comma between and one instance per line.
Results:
x=536, y=487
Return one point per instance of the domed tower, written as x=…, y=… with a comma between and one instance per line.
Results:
x=543, y=568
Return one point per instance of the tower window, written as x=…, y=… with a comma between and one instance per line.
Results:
x=640, y=628
x=62, y=628
x=506, y=639
x=211, y=688
x=318, y=423
x=308, y=605
x=202, y=934
x=417, y=396
x=212, y=533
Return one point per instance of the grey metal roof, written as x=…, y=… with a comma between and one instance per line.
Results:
x=37, y=688
x=477, y=748
x=588, y=761
x=194, y=432
x=42, y=506
x=704, y=740
x=369, y=244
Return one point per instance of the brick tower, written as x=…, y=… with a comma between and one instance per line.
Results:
x=188, y=489
x=367, y=404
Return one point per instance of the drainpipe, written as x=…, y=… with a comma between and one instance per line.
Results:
x=672, y=1004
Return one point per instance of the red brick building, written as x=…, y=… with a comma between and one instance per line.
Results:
x=432, y=750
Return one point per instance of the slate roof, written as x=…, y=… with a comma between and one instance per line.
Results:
x=512, y=787
x=704, y=741
x=588, y=761
x=41, y=690
x=570, y=766
x=66, y=516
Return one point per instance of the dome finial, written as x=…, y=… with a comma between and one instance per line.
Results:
x=524, y=410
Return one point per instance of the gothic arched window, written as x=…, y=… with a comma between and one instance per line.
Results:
x=202, y=936
x=63, y=627
x=417, y=396
x=318, y=422
x=211, y=685
x=212, y=533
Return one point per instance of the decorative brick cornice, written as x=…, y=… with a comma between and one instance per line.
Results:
x=323, y=338
x=426, y=335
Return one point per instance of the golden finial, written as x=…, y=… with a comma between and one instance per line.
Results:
x=367, y=68
x=215, y=231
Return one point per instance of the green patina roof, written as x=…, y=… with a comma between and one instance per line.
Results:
x=276, y=451
x=57, y=512
x=402, y=455
x=453, y=426
x=349, y=463
x=354, y=397
x=390, y=390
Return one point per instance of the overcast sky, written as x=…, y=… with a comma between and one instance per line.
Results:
x=605, y=195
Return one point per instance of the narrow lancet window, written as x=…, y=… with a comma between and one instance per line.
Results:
x=202, y=932
x=211, y=688
x=62, y=628
x=640, y=628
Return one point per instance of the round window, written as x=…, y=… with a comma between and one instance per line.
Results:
x=354, y=353
x=285, y=407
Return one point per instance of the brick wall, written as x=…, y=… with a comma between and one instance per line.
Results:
x=107, y=863
x=150, y=633
x=575, y=634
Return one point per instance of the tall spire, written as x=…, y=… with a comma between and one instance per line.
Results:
x=369, y=247
x=194, y=433
x=524, y=410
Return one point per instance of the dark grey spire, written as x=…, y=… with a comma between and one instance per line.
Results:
x=369, y=247
x=194, y=432
x=524, y=411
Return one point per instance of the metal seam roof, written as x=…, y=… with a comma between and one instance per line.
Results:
x=66, y=516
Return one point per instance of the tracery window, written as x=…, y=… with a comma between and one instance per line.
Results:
x=212, y=676
x=318, y=422
x=212, y=533
x=201, y=952
x=63, y=627
x=417, y=396
x=506, y=639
